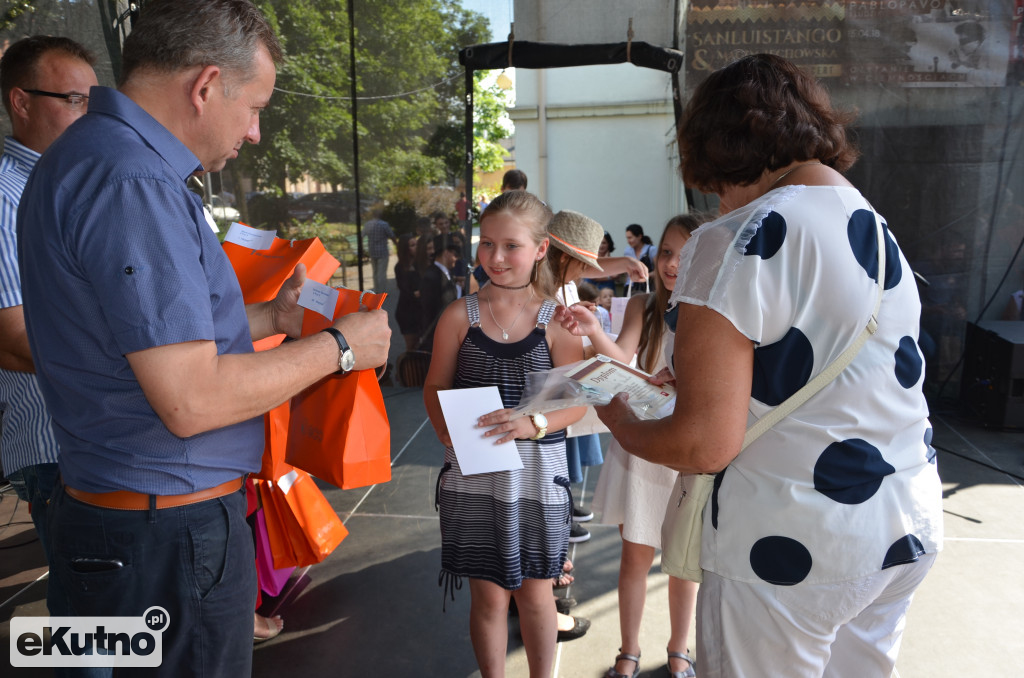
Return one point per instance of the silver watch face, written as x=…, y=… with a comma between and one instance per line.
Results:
x=348, y=361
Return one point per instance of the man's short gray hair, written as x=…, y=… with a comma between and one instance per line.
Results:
x=172, y=35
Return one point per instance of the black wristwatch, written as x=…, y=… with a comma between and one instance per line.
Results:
x=346, y=359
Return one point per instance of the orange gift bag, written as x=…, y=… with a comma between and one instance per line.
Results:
x=261, y=273
x=275, y=426
x=302, y=528
x=339, y=429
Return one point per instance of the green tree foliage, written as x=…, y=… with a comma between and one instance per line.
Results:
x=490, y=125
x=407, y=47
x=310, y=109
x=14, y=9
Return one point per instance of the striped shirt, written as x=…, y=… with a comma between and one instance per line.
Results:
x=26, y=434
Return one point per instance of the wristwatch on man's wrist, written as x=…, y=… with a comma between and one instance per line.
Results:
x=540, y=422
x=346, y=358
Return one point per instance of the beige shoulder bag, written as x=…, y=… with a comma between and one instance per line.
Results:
x=684, y=519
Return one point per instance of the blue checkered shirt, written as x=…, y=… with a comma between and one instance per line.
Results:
x=378, y=232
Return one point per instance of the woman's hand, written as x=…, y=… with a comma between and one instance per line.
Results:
x=664, y=376
x=578, y=320
x=617, y=412
x=507, y=423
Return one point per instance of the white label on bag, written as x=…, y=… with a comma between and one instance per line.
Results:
x=320, y=298
x=247, y=236
x=286, y=481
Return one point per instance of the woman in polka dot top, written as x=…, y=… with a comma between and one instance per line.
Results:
x=817, y=535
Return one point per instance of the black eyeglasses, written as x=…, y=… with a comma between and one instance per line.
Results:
x=75, y=101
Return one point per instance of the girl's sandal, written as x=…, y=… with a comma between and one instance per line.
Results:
x=690, y=671
x=563, y=580
x=625, y=656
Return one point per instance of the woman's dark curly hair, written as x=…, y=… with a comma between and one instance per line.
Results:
x=759, y=113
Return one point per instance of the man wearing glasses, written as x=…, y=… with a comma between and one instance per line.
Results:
x=45, y=84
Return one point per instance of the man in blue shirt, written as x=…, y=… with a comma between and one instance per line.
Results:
x=45, y=83
x=143, y=346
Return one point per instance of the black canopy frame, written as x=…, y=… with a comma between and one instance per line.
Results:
x=542, y=55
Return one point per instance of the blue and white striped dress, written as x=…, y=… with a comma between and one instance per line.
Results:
x=506, y=526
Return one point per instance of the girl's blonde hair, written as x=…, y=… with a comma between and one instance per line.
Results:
x=657, y=301
x=531, y=210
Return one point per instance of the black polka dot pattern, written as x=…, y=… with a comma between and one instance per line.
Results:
x=672, y=317
x=928, y=443
x=909, y=363
x=768, y=240
x=780, y=560
x=851, y=471
x=835, y=461
x=714, y=497
x=864, y=241
x=781, y=369
x=905, y=550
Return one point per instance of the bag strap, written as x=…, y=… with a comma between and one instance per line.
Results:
x=835, y=367
x=629, y=287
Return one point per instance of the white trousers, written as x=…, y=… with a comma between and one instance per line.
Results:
x=850, y=629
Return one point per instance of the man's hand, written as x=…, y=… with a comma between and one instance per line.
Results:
x=285, y=312
x=369, y=335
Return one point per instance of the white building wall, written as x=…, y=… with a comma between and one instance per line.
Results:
x=599, y=139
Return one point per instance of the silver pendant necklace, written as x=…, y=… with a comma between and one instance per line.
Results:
x=504, y=332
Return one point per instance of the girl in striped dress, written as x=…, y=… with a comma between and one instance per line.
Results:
x=508, y=531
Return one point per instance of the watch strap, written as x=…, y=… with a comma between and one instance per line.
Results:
x=343, y=346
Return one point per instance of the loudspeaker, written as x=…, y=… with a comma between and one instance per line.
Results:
x=992, y=385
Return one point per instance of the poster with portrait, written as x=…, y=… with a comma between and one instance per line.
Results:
x=927, y=43
x=906, y=43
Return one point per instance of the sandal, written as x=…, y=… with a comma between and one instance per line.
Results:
x=624, y=656
x=272, y=627
x=691, y=670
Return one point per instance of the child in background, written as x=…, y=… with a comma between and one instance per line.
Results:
x=631, y=492
x=590, y=294
x=604, y=298
x=507, y=531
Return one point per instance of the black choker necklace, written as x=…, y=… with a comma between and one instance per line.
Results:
x=509, y=287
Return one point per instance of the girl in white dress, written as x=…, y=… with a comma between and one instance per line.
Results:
x=631, y=492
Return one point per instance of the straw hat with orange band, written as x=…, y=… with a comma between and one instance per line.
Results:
x=577, y=235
